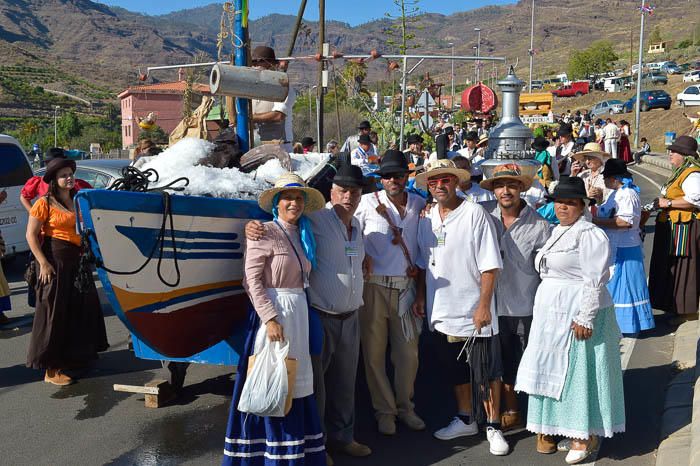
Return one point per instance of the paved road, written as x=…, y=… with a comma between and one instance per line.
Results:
x=88, y=423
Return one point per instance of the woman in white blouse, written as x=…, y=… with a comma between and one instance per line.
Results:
x=619, y=218
x=674, y=282
x=571, y=367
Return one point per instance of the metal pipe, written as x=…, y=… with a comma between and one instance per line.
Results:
x=478, y=52
x=321, y=67
x=297, y=24
x=350, y=57
x=403, y=102
x=452, y=62
x=532, y=45
x=241, y=59
x=637, y=112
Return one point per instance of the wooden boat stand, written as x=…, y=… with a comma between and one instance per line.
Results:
x=158, y=392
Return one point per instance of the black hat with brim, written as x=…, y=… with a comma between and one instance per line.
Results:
x=307, y=141
x=570, y=187
x=414, y=139
x=616, y=167
x=685, y=145
x=472, y=136
x=55, y=165
x=364, y=125
x=392, y=162
x=263, y=53
x=349, y=176
x=364, y=139
x=565, y=130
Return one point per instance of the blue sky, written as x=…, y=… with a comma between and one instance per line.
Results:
x=354, y=12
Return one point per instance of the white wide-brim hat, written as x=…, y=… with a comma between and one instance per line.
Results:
x=440, y=167
x=288, y=181
x=592, y=149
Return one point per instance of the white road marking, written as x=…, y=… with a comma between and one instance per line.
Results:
x=658, y=186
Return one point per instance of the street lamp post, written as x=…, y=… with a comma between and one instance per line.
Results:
x=55, y=125
x=478, y=53
x=532, y=44
x=476, y=67
x=639, y=78
x=452, y=105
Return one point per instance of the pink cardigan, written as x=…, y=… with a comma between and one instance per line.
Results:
x=271, y=263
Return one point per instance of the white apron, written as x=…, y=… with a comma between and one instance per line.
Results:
x=293, y=316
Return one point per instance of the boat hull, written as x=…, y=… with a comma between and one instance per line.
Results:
x=178, y=291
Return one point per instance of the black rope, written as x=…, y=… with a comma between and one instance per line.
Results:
x=135, y=180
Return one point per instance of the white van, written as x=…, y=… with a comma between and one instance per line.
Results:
x=14, y=173
x=615, y=84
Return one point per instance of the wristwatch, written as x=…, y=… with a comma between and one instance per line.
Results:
x=670, y=203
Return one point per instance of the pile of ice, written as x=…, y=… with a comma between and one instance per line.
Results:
x=180, y=159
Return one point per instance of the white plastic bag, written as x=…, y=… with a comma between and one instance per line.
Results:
x=265, y=389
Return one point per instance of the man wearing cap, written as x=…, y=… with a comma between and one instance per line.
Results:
x=522, y=232
x=389, y=221
x=611, y=136
x=273, y=120
x=459, y=259
x=335, y=294
x=365, y=154
x=561, y=152
x=352, y=142
x=414, y=155
x=592, y=176
x=307, y=144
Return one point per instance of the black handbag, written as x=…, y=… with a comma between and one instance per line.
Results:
x=30, y=272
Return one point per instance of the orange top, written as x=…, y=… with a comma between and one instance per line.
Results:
x=58, y=222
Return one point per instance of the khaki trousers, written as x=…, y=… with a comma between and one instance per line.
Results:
x=379, y=325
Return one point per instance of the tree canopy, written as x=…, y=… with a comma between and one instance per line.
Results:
x=598, y=58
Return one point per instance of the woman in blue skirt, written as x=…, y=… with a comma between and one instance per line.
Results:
x=276, y=273
x=619, y=218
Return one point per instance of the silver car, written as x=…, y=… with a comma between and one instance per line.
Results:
x=100, y=173
x=606, y=107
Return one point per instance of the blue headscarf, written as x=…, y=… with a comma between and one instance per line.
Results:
x=627, y=183
x=308, y=242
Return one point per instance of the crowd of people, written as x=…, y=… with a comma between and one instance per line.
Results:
x=512, y=296
x=510, y=300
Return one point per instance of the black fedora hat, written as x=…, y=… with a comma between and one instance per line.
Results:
x=56, y=164
x=350, y=176
x=472, y=136
x=414, y=139
x=392, y=162
x=570, y=187
x=685, y=145
x=307, y=141
x=364, y=139
x=364, y=125
x=55, y=153
x=263, y=53
x=564, y=130
x=449, y=130
x=540, y=143
x=616, y=167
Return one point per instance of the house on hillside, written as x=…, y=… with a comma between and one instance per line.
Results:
x=659, y=47
x=163, y=99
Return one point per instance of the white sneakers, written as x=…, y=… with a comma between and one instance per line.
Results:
x=497, y=444
x=457, y=428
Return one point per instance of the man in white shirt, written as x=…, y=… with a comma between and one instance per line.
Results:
x=611, y=136
x=389, y=223
x=562, y=151
x=469, y=190
x=522, y=233
x=459, y=259
x=352, y=142
x=364, y=155
x=273, y=120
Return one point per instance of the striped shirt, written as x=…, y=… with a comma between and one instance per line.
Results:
x=336, y=282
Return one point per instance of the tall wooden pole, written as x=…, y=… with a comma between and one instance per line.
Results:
x=321, y=68
x=295, y=32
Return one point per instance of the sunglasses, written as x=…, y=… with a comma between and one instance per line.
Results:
x=395, y=176
x=440, y=181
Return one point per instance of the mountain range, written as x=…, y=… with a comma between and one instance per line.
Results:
x=107, y=46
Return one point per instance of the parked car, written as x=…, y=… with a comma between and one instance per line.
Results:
x=15, y=170
x=537, y=84
x=100, y=173
x=690, y=96
x=653, y=77
x=577, y=89
x=671, y=67
x=606, y=107
x=649, y=100
x=691, y=77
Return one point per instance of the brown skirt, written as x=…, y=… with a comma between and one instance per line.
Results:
x=69, y=327
x=674, y=281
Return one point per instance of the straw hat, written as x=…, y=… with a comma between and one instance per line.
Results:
x=289, y=181
x=591, y=149
x=440, y=167
x=483, y=140
x=508, y=171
